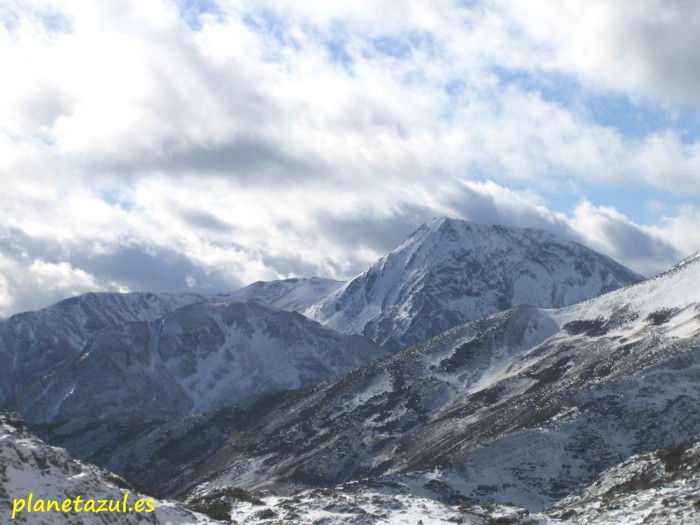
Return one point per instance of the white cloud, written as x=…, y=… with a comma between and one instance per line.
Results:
x=646, y=48
x=681, y=229
x=136, y=91
x=670, y=163
x=29, y=284
x=646, y=250
x=267, y=139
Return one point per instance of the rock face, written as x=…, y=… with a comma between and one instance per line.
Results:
x=451, y=271
x=199, y=357
x=522, y=406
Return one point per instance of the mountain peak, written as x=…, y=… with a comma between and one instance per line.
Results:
x=450, y=271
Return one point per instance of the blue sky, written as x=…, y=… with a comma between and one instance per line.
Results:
x=204, y=144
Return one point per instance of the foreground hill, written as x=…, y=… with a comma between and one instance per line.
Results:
x=29, y=466
x=451, y=271
x=656, y=488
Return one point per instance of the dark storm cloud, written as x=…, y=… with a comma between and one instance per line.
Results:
x=614, y=235
x=16, y=243
x=632, y=243
x=247, y=160
x=490, y=203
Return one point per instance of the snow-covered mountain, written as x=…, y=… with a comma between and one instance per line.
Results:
x=523, y=406
x=33, y=344
x=293, y=294
x=199, y=357
x=29, y=466
x=451, y=271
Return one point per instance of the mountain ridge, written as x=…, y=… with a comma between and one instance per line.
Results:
x=198, y=357
x=294, y=294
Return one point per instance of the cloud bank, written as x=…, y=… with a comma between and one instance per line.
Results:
x=202, y=145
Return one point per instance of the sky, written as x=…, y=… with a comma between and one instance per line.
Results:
x=201, y=145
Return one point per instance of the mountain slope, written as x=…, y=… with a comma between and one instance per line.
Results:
x=371, y=504
x=522, y=406
x=450, y=271
x=200, y=357
x=34, y=343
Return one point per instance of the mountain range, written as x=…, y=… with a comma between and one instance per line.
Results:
x=473, y=365
x=523, y=406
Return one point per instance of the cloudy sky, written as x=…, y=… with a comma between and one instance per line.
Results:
x=201, y=145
